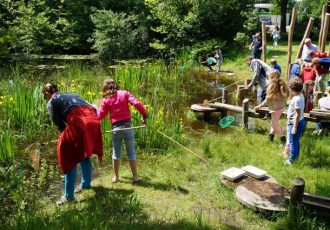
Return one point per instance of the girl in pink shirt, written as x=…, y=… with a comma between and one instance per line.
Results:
x=116, y=102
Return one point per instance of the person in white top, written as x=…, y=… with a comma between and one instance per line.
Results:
x=296, y=122
x=275, y=35
x=307, y=48
x=219, y=57
x=324, y=104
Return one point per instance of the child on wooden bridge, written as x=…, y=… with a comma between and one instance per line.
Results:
x=277, y=92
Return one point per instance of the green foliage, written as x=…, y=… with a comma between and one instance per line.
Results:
x=119, y=35
x=182, y=23
x=4, y=41
x=21, y=190
x=7, y=143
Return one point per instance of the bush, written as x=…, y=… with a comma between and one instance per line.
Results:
x=119, y=35
x=242, y=40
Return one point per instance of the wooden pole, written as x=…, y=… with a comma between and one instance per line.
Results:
x=325, y=32
x=240, y=94
x=324, y=11
x=296, y=197
x=293, y=21
x=306, y=35
x=263, y=31
x=245, y=115
x=224, y=96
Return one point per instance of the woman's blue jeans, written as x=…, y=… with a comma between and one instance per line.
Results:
x=295, y=140
x=70, y=178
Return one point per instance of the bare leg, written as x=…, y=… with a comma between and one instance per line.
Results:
x=132, y=164
x=115, y=170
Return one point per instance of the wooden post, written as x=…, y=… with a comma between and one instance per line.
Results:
x=296, y=196
x=224, y=96
x=245, y=115
x=240, y=94
x=306, y=35
x=317, y=96
x=293, y=21
x=324, y=11
x=325, y=32
x=263, y=32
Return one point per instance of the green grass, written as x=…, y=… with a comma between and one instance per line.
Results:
x=181, y=192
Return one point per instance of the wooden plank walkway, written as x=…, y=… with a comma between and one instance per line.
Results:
x=313, y=116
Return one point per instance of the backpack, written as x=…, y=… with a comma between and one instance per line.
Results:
x=308, y=74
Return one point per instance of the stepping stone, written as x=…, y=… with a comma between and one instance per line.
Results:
x=254, y=171
x=232, y=173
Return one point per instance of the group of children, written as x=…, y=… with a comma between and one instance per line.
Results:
x=214, y=60
x=79, y=124
x=276, y=95
x=311, y=69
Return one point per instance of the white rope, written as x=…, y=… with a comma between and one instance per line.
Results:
x=121, y=129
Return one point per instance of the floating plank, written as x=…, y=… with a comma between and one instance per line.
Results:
x=262, y=196
x=201, y=108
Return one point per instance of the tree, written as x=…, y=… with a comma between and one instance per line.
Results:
x=119, y=35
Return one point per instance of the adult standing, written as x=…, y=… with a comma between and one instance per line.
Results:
x=275, y=35
x=256, y=45
x=260, y=77
x=80, y=137
x=308, y=46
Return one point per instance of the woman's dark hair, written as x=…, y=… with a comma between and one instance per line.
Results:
x=110, y=87
x=296, y=84
x=50, y=88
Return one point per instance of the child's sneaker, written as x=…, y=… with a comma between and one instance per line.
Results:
x=63, y=200
x=287, y=162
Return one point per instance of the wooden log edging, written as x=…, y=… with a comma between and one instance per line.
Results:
x=296, y=197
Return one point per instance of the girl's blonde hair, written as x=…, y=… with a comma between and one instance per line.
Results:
x=315, y=62
x=277, y=88
x=110, y=87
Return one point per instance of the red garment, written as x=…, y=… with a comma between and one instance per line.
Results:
x=81, y=138
x=308, y=74
x=320, y=54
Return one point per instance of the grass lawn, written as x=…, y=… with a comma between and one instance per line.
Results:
x=181, y=192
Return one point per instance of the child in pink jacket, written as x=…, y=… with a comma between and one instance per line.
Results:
x=116, y=103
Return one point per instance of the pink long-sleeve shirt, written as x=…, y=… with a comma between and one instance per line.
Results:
x=118, y=106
